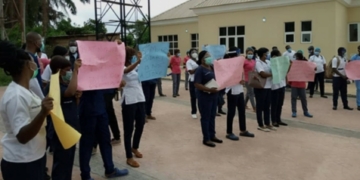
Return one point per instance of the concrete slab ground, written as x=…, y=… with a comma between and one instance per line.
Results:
x=325, y=147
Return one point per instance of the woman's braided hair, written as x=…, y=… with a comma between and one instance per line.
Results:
x=12, y=59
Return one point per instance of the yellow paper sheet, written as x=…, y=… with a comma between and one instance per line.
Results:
x=68, y=136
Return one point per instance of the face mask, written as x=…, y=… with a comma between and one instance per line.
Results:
x=208, y=61
x=42, y=48
x=35, y=73
x=73, y=49
x=194, y=55
x=67, y=58
x=250, y=56
x=268, y=56
x=178, y=54
x=67, y=76
x=317, y=53
x=289, y=50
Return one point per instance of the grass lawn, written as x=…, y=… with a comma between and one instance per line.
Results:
x=4, y=79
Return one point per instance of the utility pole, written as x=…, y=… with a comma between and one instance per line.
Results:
x=2, y=20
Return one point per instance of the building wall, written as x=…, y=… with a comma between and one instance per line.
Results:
x=341, y=27
x=184, y=38
x=272, y=33
x=353, y=15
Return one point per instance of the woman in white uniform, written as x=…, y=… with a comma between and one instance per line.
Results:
x=24, y=115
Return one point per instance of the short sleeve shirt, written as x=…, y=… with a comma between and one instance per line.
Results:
x=341, y=67
x=18, y=107
x=46, y=74
x=175, y=64
x=261, y=66
x=191, y=65
x=319, y=62
x=203, y=76
x=132, y=92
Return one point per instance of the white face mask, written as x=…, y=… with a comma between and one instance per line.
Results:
x=67, y=58
x=73, y=49
x=194, y=55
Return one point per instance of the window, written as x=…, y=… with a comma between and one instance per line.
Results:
x=194, y=41
x=289, y=32
x=354, y=32
x=306, y=28
x=173, y=41
x=232, y=36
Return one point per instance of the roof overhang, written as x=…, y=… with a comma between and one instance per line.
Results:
x=252, y=5
x=174, y=21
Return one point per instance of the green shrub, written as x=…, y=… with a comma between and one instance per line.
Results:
x=4, y=79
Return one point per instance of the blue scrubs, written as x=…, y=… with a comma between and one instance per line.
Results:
x=64, y=159
x=357, y=82
x=207, y=103
x=94, y=125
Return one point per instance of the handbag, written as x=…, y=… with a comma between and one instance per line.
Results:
x=256, y=81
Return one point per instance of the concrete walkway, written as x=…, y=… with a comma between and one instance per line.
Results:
x=325, y=147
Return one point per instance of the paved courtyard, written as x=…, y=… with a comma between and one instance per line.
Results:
x=325, y=147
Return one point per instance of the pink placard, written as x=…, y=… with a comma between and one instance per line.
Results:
x=352, y=70
x=102, y=65
x=301, y=71
x=229, y=72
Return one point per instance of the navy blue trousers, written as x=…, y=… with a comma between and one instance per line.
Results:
x=63, y=160
x=149, y=93
x=21, y=171
x=277, y=102
x=207, y=106
x=95, y=128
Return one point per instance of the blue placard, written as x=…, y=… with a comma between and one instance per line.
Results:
x=216, y=51
x=154, y=61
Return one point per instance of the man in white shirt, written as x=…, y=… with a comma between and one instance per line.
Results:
x=289, y=53
x=320, y=63
x=340, y=79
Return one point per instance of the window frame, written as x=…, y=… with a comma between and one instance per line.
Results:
x=232, y=36
x=194, y=41
x=172, y=50
x=289, y=33
x=348, y=32
x=306, y=32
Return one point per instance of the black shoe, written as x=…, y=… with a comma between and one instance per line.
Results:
x=282, y=124
x=324, y=97
x=174, y=96
x=247, y=134
x=334, y=108
x=186, y=89
x=178, y=95
x=222, y=112
x=232, y=137
x=209, y=144
x=216, y=140
x=348, y=108
x=217, y=114
x=311, y=96
x=276, y=125
x=358, y=108
x=46, y=176
x=162, y=95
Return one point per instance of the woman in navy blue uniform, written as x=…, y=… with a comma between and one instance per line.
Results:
x=207, y=98
x=64, y=158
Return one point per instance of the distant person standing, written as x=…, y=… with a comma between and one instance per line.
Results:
x=340, y=79
x=187, y=57
x=289, y=53
x=357, y=82
x=175, y=64
x=320, y=63
x=311, y=53
x=74, y=53
x=191, y=66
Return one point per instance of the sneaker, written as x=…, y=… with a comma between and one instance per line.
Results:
x=232, y=137
x=262, y=128
x=271, y=128
x=307, y=114
x=94, y=151
x=115, y=141
x=117, y=173
x=293, y=114
x=194, y=116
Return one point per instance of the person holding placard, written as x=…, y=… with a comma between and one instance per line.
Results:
x=207, y=95
x=298, y=90
x=133, y=108
x=263, y=95
x=235, y=100
x=357, y=82
x=320, y=62
x=277, y=98
x=24, y=114
x=340, y=79
x=175, y=64
x=64, y=158
x=249, y=65
x=191, y=67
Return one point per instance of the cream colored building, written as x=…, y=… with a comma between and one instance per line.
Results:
x=327, y=24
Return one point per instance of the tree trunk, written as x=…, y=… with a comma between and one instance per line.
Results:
x=21, y=4
x=45, y=17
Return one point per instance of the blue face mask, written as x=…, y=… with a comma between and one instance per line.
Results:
x=250, y=56
x=317, y=53
x=268, y=56
x=289, y=50
x=42, y=48
x=209, y=61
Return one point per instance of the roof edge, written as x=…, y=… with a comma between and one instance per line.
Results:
x=174, y=21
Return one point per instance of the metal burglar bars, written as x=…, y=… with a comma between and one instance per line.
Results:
x=127, y=13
